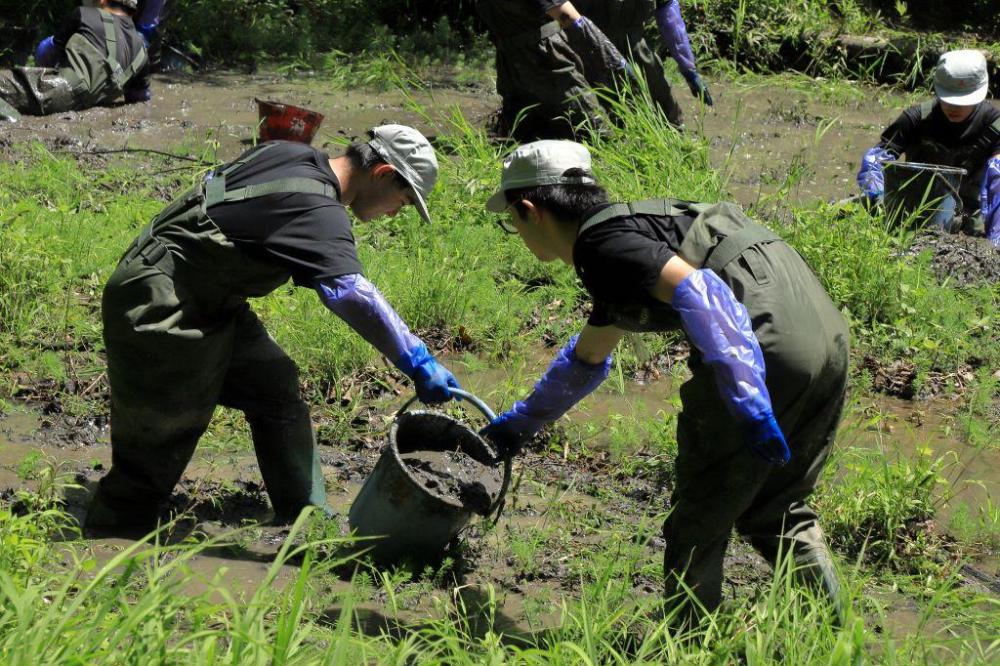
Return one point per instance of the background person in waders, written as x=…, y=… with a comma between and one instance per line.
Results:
x=181, y=337
x=624, y=21
x=96, y=57
x=769, y=357
x=958, y=128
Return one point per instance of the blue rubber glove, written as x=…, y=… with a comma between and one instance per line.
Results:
x=47, y=53
x=698, y=87
x=989, y=200
x=363, y=307
x=675, y=36
x=870, y=177
x=432, y=379
x=567, y=381
x=147, y=22
x=766, y=441
x=719, y=326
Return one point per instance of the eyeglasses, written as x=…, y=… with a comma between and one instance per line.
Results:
x=503, y=222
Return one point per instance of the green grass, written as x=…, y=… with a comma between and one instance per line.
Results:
x=463, y=283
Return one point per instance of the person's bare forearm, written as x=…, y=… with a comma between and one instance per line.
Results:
x=565, y=13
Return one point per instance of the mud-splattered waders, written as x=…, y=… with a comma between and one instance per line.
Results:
x=182, y=339
x=624, y=21
x=538, y=73
x=92, y=78
x=805, y=342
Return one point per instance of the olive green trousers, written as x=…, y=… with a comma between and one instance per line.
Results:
x=169, y=364
x=719, y=483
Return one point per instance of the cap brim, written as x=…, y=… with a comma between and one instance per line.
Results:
x=418, y=199
x=497, y=203
x=960, y=99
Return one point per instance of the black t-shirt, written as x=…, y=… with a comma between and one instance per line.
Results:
x=87, y=21
x=911, y=130
x=619, y=263
x=307, y=234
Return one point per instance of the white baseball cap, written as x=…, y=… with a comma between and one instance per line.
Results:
x=961, y=77
x=542, y=163
x=412, y=155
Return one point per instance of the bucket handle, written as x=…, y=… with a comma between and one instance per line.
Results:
x=508, y=461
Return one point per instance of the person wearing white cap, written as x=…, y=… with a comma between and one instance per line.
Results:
x=958, y=128
x=769, y=356
x=180, y=335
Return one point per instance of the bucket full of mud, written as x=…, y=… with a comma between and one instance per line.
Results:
x=919, y=195
x=286, y=122
x=435, y=473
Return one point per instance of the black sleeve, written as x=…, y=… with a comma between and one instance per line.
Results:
x=315, y=245
x=70, y=26
x=622, y=265
x=899, y=136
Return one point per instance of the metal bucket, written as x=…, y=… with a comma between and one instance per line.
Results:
x=409, y=520
x=286, y=122
x=915, y=193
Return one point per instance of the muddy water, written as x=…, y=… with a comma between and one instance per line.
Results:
x=760, y=133
x=812, y=132
x=220, y=107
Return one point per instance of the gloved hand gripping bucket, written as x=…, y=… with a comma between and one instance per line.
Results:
x=286, y=122
x=407, y=519
x=918, y=192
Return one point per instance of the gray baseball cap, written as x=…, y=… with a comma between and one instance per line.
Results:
x=412, y=155
x=542, y=163
x=961, y=77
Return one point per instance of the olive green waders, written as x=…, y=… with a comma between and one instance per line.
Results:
x=181, y=339
x=719, y=483
x=539, y=76
x=92, y=78
x=623, y=22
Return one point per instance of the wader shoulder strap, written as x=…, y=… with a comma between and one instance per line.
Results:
x=281, y=186
x=926, y=108
x=659, y=207
x=734, y=245
x=119, y=76
x=216, y=192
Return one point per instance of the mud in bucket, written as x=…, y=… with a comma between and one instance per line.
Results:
x=434, y=475
x=286, y=122
x=918, y=195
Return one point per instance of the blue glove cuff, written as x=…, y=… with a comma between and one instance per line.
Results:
x=766, y=441
x=412, y=359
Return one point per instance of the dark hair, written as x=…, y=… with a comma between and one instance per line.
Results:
x=364, y=158
x=567, y=203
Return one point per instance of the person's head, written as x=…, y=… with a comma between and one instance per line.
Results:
x=394, y=168
x=127, y=7
x=545, y=190
x=961, y=82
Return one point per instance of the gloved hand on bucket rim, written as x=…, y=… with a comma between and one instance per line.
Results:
x=363, y=307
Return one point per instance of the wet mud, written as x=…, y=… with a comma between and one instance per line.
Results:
x=959, y=260
x=456, y=474
x=220, y=108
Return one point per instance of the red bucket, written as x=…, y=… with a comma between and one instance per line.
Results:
x=287, y=122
